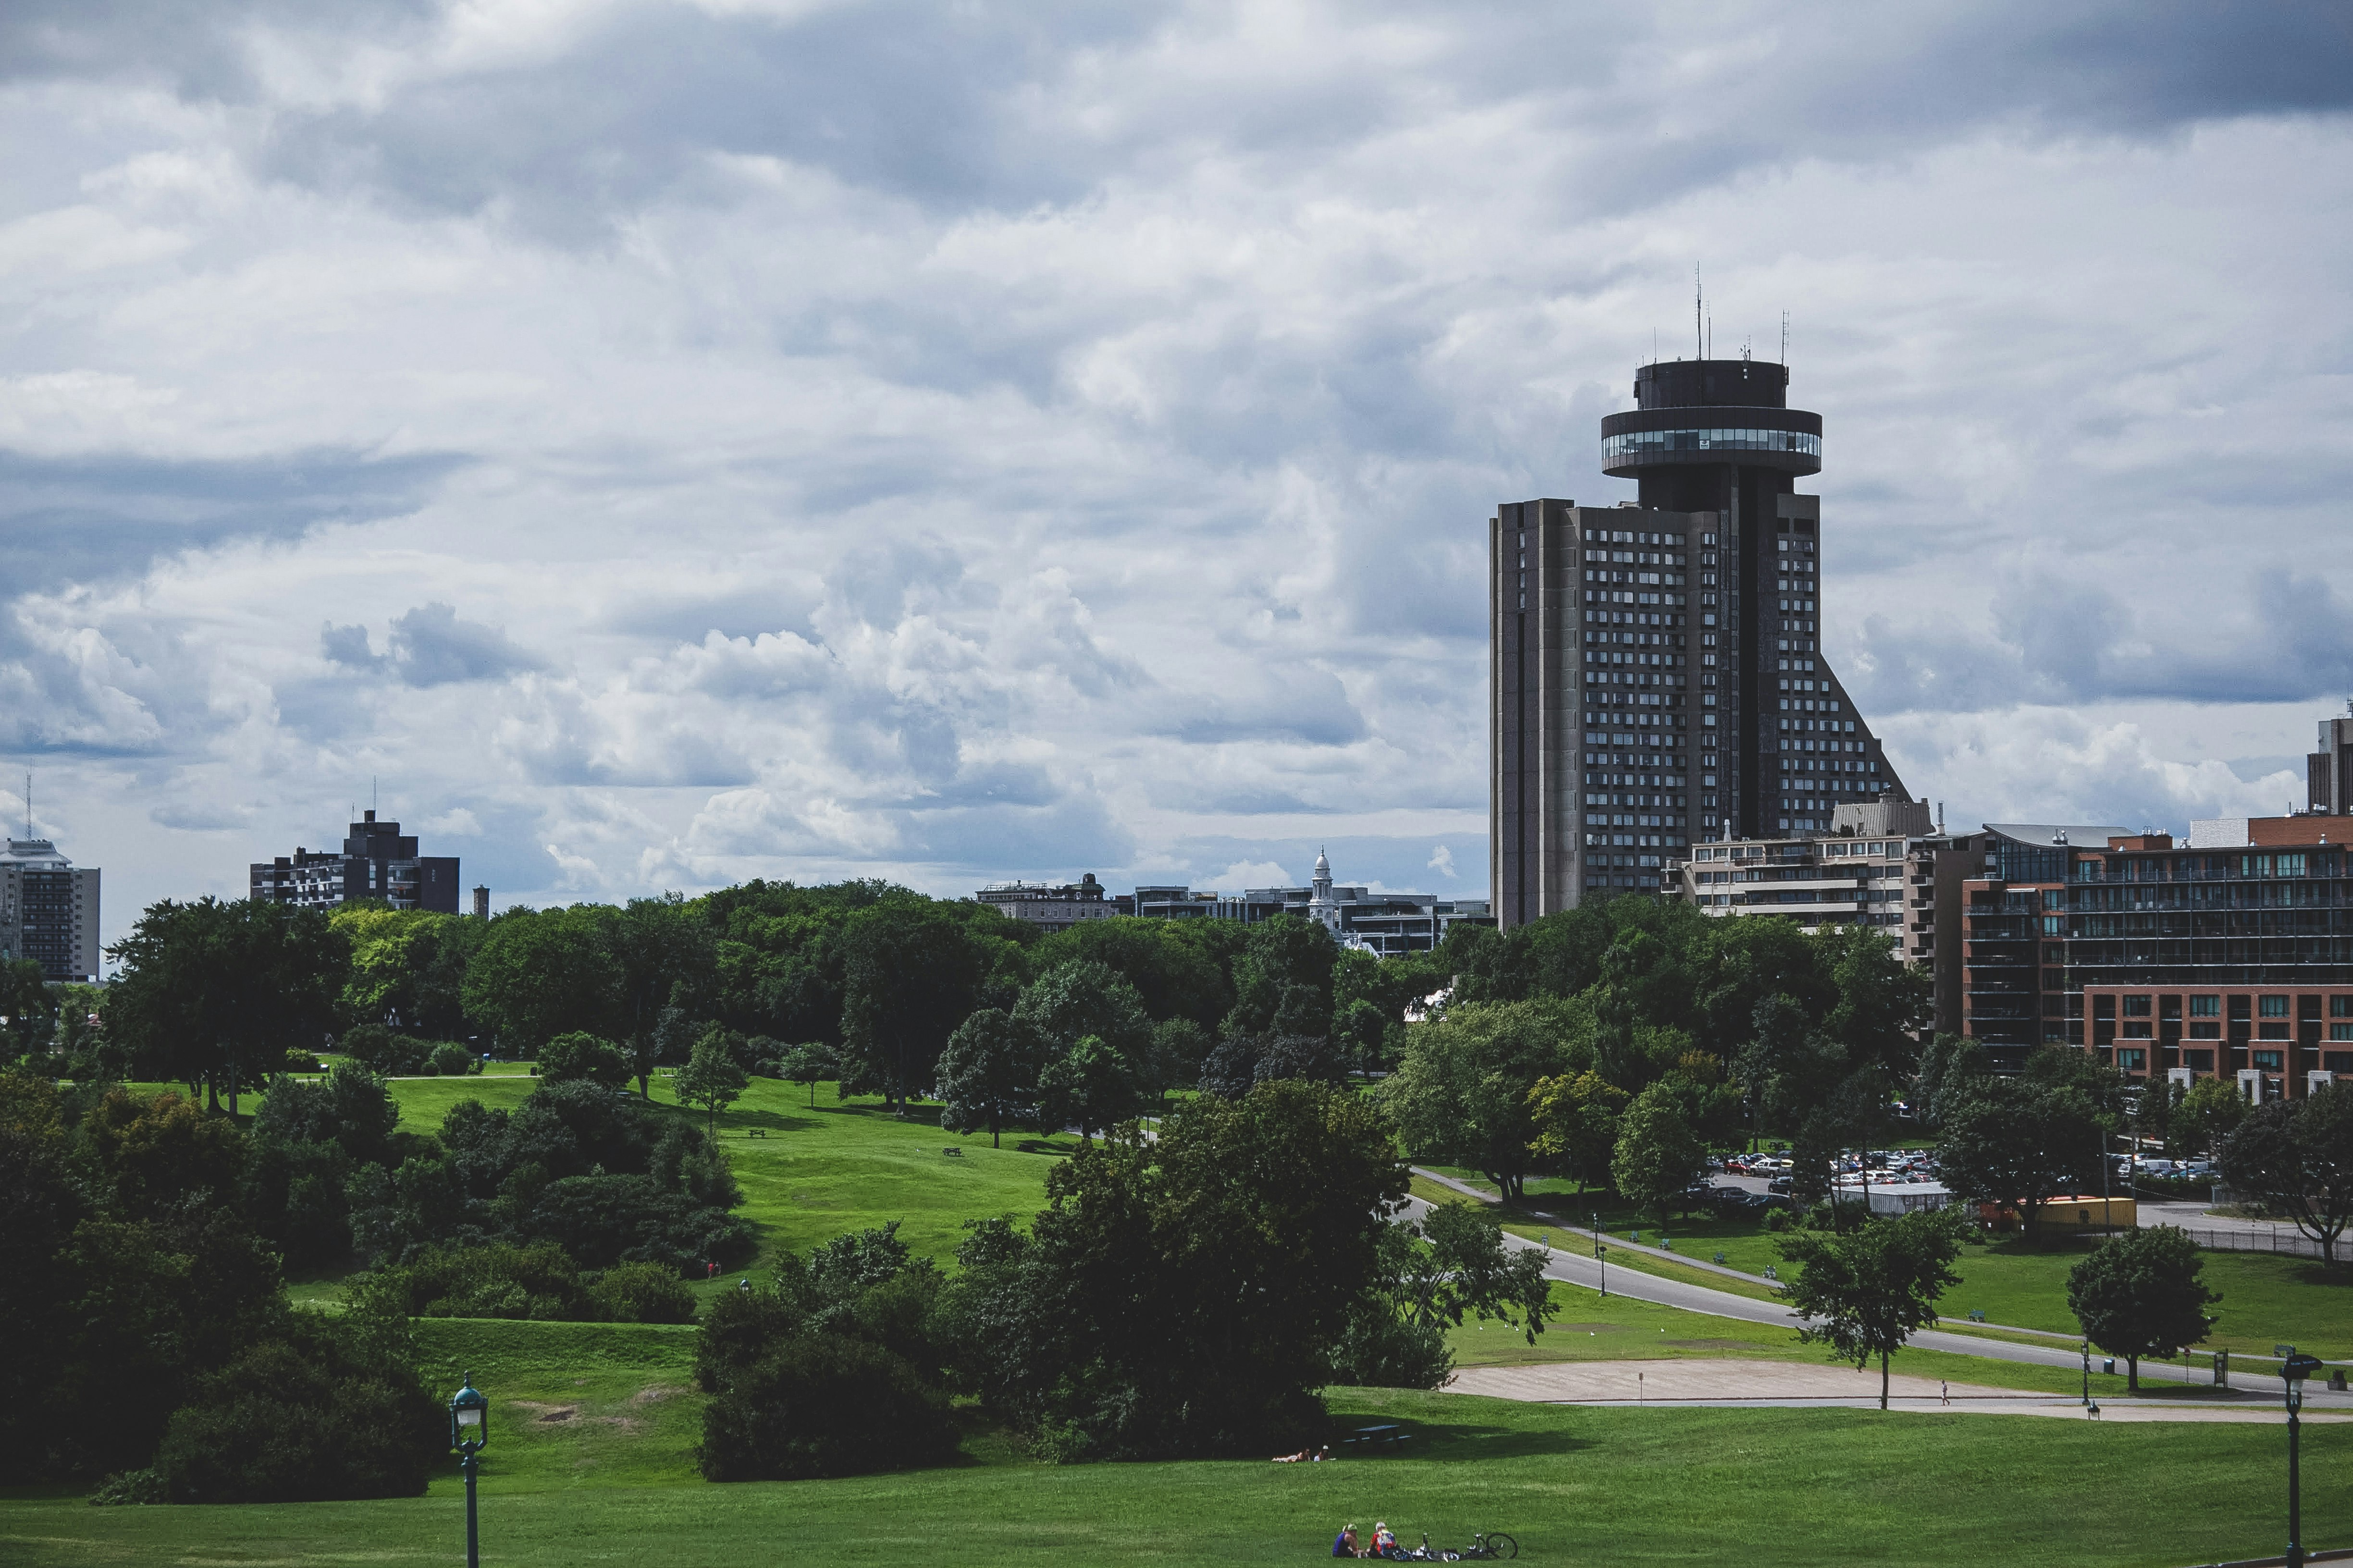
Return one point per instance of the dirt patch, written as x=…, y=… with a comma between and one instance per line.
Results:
x=1708, y=1344
x=655, y=1393
x=546, y=1411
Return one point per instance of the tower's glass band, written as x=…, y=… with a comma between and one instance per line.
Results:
x=1636, y=446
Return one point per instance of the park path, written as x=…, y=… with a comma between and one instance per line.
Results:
x=1773, y=1385
x=1579, y=1268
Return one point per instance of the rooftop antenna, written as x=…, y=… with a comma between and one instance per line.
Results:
x=28, y=803
x=1785, y=339
x=1699, y=334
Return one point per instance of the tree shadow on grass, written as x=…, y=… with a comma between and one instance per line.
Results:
x=736, y=1123
x=1451, y=1441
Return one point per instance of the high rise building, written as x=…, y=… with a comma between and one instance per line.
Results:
x=1656, y=674
x=376, y=861
x=48, y=910
x=2330, y=771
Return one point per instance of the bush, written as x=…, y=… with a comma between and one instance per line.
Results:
x=451, y=1060
x=380, y=1051
x=577, y=1057
x=634, y=1219
x=536, y=1282
x=328, y=1412
x=301, y=1061
x=822, y=1405
x=643, y=1293
x=129, y=1486
x=1779, y=1219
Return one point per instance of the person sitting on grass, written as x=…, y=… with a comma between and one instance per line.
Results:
x=1383, y=1538
x=1345, y=1544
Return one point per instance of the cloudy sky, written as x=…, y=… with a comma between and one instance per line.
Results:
x=659, y=444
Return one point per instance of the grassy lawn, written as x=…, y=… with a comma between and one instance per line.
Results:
x=1757, y=1487
x=2266, y=1300
x=810, y=1173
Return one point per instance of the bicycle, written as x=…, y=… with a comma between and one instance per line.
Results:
x=1425, y=1553
x=1491, y=1545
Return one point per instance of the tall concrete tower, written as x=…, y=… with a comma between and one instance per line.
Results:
x=1655, y=667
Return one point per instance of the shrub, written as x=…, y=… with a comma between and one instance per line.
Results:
x=643, y=1293
x=380, y=1051
x=321, y=1414
x=495, y=1281
x=582, y=1057
x=634, y=1219
x=301, y=1061
x=1779, y=1219
x=129, y=1486
x=822, y=1405
x=451, y=1060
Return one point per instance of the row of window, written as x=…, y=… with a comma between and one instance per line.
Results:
x=1632, y=446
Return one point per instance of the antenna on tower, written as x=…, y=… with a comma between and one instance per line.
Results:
x=28, y=803
x=1711, y=337
x=1699, y=333
x=1785, y=339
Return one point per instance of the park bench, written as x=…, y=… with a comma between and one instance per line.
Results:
x=952, y=1153
x=755, y=1132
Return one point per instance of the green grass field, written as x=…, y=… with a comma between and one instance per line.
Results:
x=1765, y=1488
x=2266, y=1300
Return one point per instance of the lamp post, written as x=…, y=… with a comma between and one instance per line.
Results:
x=2087, y=1374
x=1599, y=1252
x=469, y=1428
x=2297, y=1368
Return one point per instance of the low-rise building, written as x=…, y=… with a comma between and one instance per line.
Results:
x=376, y=861
x=48, y=910
x=1047, y=906
x=1382, y=922
x=2229, y=955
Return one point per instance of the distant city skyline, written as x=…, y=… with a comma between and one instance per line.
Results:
x=668, y=445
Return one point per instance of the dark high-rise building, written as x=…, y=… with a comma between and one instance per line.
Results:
x=376, y=861
x=2330, y=771
x=1655, y=666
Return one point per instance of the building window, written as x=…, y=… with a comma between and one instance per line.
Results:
x=2136, y=1006
x=2341, y=1006
x=2198, y=1061
x=2268, y=1061
x=2340, y=1031
x=2273, y=1029
x=2211, y=1030
x=2205, y=1006
x=2274, y=1007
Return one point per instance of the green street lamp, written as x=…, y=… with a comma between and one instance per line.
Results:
x=1600, y=1254
x=469, y=1428
x=2296, y=1369
x=2087, y=1374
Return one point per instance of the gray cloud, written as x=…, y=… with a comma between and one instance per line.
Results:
x=429, y=647
x=952, y=443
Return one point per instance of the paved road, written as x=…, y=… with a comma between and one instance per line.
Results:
x=1579, y=1267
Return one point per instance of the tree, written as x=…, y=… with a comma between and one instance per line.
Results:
x=2210, y=1112
x=219, y=991
x=1576, y=1119
x=1068, y=1003
x=1183, y=1295
x=988, y=1074
x=2295, y=1156
x=1865, y=1292
x=1093, y=1084
x=1432, y=1274
x=350, y=1107
x=27, y=1005
x=582, y=1056
x=1461, y=1092
x=711, y=1078
x=1657, y=1157
x=910, y=975
x=2139, y=1294
x=807, y=1065
x=541, y=973
x=2014, y=1141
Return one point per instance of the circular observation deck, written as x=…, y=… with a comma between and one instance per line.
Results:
x=1789, y=440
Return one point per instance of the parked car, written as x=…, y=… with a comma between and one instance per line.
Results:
x=1777, y=1185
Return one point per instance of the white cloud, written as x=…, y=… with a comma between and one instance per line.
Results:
x=791, y=439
